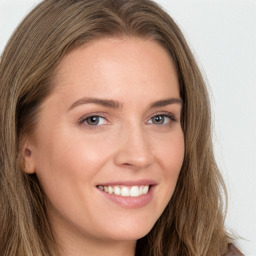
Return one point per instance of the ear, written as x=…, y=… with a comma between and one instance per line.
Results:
x=27, y=157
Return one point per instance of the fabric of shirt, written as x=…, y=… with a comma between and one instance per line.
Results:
x=233, y=251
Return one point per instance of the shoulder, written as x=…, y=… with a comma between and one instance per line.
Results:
x=233, y=251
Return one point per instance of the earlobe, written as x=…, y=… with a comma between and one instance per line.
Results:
x=27, y=152
x=27, y=158
x=28, y=166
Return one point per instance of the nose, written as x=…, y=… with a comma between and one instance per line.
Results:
x=134, y=148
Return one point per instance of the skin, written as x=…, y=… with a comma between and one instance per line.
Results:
x=71, y=157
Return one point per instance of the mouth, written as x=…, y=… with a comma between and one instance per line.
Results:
x=126, y=191
x=129, y=194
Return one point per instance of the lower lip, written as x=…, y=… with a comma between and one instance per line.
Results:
x=130, y=202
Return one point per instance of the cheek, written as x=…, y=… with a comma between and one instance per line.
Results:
x=64, y=159
x=171, y=156
x=67, y=166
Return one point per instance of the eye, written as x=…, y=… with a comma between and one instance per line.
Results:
x=158, y=119
x=94, y=120
x=161, y=119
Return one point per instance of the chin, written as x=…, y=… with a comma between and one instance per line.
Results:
x=125, y=232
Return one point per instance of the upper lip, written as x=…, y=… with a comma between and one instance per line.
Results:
x=140, y=182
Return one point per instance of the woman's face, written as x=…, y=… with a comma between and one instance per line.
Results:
x=111, y=123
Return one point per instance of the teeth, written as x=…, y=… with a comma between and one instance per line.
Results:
x=109, y=189
x=125, y=191
x=117, y=190
x=145, y=190
x=133, y=191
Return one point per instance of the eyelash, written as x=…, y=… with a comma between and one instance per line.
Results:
x=84, y=120
x=165, y=115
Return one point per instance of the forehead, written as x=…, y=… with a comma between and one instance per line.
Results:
x=113, y=66
x=125, y=50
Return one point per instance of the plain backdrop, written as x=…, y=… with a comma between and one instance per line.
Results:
x=222, y=35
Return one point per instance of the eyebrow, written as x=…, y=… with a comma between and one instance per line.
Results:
x=165, y=102
x=117, y=105
x=103, y=102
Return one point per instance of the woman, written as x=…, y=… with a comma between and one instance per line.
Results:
x=106, y=136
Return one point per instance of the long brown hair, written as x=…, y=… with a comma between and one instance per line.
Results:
x=193, y=222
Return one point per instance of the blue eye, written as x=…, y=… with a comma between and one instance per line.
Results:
x=94, y=120
x=162, y=119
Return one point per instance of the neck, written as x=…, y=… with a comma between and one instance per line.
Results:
x=75, y=244
x=95, y=248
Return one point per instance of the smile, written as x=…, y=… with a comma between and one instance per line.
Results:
x=129, y=194
x=126, y=191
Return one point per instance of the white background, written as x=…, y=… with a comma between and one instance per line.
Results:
x=222, y=35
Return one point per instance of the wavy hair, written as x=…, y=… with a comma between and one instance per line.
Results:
x=193, y=222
